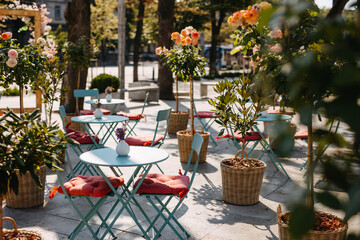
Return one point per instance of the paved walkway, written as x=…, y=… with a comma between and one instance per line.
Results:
x=203, y=214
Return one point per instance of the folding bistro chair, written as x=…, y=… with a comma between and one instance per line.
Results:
x=90, y=188
x=206, y=119
x=82, y=93
x=84, y=140
x=158, y=187
x=134, y=118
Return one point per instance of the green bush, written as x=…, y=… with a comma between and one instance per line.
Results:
x=104, y=80
x=11, y=92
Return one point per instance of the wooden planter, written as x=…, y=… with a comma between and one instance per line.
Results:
x=184, y=143
x=30, y=195
x=178, y=121
x=241, y=186
x=284, y=233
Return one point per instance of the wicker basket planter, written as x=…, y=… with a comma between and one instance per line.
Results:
x=29, y=194
x=284, y=233
x=184, y=142
x=241, y=186
x=178, y=121
x=73, y=125
x=20, y=234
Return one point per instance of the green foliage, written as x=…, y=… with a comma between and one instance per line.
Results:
x=102, y=81
x=80, y=53
x=224, y=75
x=11, y=92
x=26, y=143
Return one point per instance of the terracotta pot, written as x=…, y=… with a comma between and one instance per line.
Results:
x=30, y=195
x=284, y=233
x=241, y=186
x=178, y=121
x=184, y=143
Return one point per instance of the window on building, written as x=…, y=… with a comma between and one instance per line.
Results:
x=57, y=12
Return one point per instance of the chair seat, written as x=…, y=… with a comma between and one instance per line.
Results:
x=93, y=186
x=91, y=112
x=131, y=116
x=250, y=136
x=81, y=137
x=277, y=111
x=157, y=183
x=301, y=134
x=206, y=114
x=142, y=140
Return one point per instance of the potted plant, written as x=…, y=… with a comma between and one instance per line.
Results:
x=184, y=60
x=241, y=177
x=28, y=147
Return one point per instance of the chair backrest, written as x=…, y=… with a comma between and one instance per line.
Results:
x=196, y=146
x=145, y=102
x=162, y=115
x=81, y=93
x=62, y=113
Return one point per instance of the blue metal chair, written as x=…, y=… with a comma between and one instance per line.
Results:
x=134, y=119
x=164, y=199
x=206, y=119
x=80, y=168
x=82, y=93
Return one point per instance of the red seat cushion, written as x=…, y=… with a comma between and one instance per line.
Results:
x=205, y=114
x=81, y=137
x=91, y=112
x=301, y=134
x=93, y=186
x=255, y=136
x=132, y=116
x=142, y=140
x=157, y=183
x=277, y=111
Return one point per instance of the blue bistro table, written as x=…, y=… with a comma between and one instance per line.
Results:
x=142, y=158
x=108, y=121
x=114, y=102
x=268, y=118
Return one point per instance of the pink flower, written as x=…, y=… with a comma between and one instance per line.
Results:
x=6, y=35
x=13, y=53
x=50, y=57
x=276, y=48
x=158, y=50
x=11, y=62
x=275, y=34
x=184, y=32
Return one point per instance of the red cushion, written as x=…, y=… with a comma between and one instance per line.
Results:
x=157, y=183
x=253, y=137
x=81, y=137
x=277, y=111
x=93, y=186
x=132, y=116
x=205, y=114
x=301, y=134
x=142, y=140
x=91, y=112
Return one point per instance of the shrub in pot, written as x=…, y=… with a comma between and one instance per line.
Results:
x=103, y=81
x=241, y=178
x=26, y=145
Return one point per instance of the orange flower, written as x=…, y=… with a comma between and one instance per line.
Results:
x=6, y=35
x=275, y=34
x=184, y=33
x=195, y=41
x=237, y=19
x=195, y=34
x=174, y=35
x=183, y=42
x=251, y=16
x=178, y=41
x=188, y=40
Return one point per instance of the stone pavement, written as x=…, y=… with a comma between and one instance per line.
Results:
x=203, y=214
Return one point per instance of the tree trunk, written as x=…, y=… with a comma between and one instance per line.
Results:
x=77, y=16
x=310, y=169
x=337, y=8
x=1, y=220
x=166, y=26
x=215, y=31
x=137, y=40
x=192, y=129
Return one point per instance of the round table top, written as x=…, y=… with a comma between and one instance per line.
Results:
x=273, y=118
x=138, y=156
x=103, y=119
x=104, y=102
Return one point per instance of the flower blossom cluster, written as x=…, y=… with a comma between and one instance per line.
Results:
x=120, y=133
x=161, y=50
x=249, y=16
x=187, y=36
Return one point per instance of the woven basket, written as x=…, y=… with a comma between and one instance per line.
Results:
x=184, y=143
x=241, y=186
x=284, y=233
x=30, y=195
x=178, y=121
x=14, y=234
x=73, y=125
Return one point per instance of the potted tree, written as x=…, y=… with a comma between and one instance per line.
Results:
x=241, y=177
x=186, y=62
x=28, y=147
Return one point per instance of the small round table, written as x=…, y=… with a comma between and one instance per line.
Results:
x=114, y=102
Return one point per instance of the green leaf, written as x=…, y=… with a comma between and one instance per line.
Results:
x=301, y=221
x=329, y=200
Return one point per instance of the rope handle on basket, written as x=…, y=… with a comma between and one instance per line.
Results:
x=202, y=129
x=12, y=221
x=242, y=156
x=278, y=213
